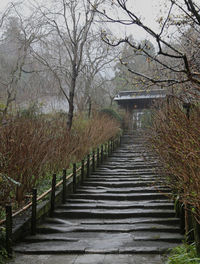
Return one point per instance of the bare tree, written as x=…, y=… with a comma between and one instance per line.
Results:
x=69, y=26
x=98, y=63
x=14, y=50
x=182, y=64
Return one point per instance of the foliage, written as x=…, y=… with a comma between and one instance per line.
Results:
x=184, y=254
x=3, y=252
x=32, y=148
x=136, y=60
x=175, y=138
x=146, y=119
x=32, y=111
x=112, y=114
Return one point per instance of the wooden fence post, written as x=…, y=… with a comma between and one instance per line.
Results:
x=101, y=153
x=88, y=165
x=82, y=170
x=93, y=160
x=64, y=186
x=53, y=194
x=98, y=163
x=34, y=212
x=110, y=142
x=108, y=148
x=9, y=230
x=74, y=177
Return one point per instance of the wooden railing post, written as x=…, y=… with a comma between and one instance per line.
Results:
x=93, y=160
x=82, y=170
x=108, y=148
x=115, y=144
x=34, y=212
x=102, y=154
x=9, y=230
x=110, y=142
x=74, y=177
x=64, y=186
x=88, y=165
x=98, y=163
x=53, y=194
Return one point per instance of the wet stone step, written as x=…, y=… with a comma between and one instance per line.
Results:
x=137, y=175
x=101, y=242
x=117, y=191
x=114, y=202
x=172, y=222
x=112, y=206
x=118, y=184
x=131, y=197
x=137, y=229
x=122, y=208
x=115, y=214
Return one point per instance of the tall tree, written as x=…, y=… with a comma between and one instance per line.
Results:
x=133, y=60
x=98, y=64
x=178, y=62
x=69, y=26
x=14, y=49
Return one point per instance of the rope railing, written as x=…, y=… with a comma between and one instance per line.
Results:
x=96, y=159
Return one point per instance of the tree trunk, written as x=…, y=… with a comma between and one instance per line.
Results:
x=71, y=103
x=89, y=107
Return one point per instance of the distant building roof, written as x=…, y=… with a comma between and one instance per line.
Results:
x=139, y=99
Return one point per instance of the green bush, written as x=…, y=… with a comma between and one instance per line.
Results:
x=32, y=111
x=184, y=254
x=112, y=114
x=3, y=252
x=146, y=119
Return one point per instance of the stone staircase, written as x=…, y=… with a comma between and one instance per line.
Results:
x=122, y=208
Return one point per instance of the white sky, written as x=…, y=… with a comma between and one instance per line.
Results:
x=148, y=10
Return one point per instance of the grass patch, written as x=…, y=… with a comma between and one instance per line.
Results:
x=184, y=254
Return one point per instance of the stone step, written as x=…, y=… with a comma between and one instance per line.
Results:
x=118, y=179
x=92, y=205
x=142, y=189
x=127, y=221
x=101, y=242
x=113, y=214
x=130, y=167
x=100, y=173
x=122, y=208
x=137, y=229
x=122, y=197
x=141, y=204
x=118, y=184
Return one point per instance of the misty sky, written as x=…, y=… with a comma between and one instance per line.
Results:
x=148, y=10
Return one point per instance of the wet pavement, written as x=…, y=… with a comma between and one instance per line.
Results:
x=89, y=259
x=121, y=214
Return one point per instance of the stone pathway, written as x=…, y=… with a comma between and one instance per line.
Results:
x=121, y=209
x=89, y=259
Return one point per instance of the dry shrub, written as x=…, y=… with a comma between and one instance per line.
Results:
x=93, y=132
x=176, y=139
x=32, y=147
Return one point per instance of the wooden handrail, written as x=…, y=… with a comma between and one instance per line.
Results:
x=43, y=195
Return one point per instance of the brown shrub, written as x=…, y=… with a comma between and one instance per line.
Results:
x=176, y=139
x=31, y=148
